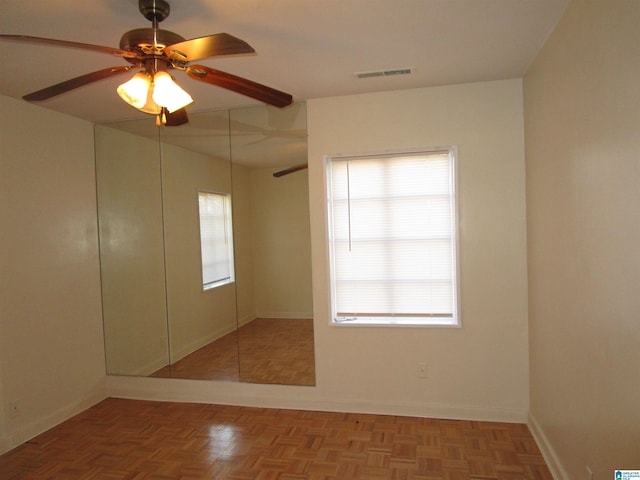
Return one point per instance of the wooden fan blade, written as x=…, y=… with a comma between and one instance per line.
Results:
x=209, y=46
x=239, y=85
x=289, y=170
x=68, y=85
x=63, y=43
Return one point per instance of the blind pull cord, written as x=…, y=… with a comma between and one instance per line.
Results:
x=349, y=203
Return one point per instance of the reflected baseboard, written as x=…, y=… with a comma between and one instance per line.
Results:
x=178, y=354
x=145, y=370
x=288, y=315
x=246, y=319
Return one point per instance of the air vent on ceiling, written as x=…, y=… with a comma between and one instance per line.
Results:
x=384, y=73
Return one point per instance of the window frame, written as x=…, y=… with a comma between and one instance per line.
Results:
x=228, y=221
x=428, y=321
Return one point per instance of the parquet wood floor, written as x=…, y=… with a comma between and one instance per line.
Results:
x=266, y=350
x=142, y=440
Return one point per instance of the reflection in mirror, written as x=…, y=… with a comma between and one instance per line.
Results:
x=272, y=244
x=160, y=316
x=202, y=322
x=128, y=179
x=149, y=182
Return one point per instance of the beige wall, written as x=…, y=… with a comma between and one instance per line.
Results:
x=582, y=105
x=478, y=371
x=51, y=347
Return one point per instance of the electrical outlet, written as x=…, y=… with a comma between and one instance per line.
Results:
x=14, y=410
x=421, y=370
x=589, y=473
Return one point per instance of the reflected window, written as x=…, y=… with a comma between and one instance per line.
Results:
x=216, y=240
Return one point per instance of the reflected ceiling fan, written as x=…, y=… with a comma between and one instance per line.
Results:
x=155, y=52
x=287, y=171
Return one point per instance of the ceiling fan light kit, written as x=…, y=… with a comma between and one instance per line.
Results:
x=150, y=94
x=155, y=51
x=167, y=93
x=136, y=91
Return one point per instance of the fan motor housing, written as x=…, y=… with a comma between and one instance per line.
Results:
x=141, y=40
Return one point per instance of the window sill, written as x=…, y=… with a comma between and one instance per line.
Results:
x=212, y=286
x=398, y=322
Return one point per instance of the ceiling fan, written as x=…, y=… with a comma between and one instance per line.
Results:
x=155, y=51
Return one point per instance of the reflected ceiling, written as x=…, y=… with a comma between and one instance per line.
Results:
x=262, y=136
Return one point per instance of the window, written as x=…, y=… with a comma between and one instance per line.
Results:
x=392, y=236
x=216, y=240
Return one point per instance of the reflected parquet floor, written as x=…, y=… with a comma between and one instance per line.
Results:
x=277, y=350
x=266, y=350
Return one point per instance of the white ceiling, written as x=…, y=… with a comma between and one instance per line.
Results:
x=308, y=48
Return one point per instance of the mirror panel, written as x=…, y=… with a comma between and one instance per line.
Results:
x=158, y=319
x=202, y=323
x=273, y=245
x=131, y=249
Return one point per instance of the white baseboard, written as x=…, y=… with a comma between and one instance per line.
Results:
x=291, y=397
x=5, y=444
x=269, y=396
x=33, y=428
x=548, y=452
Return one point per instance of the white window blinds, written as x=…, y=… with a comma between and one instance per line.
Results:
x=215, y=239
x=393, y=238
